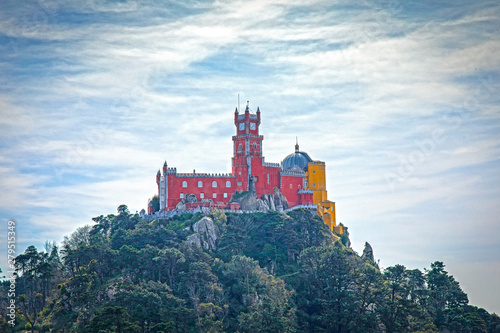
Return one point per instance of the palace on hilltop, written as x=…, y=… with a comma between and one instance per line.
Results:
x=298, y=180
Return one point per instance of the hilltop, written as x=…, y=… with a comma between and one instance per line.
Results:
x=250, y=272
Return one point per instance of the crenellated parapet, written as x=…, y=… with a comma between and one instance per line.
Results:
x=171, y=171
x=302, y=191
x=206, y=175
x=294, y=173
x=260, y=137
x=271, y=165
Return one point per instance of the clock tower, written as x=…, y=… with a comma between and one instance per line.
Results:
x=247, y=147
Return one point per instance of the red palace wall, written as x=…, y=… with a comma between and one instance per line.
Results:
x=290, y=187
x=176, y=187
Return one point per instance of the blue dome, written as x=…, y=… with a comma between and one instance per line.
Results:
x=299, y=158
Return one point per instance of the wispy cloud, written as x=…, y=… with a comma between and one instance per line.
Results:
x=399, y=98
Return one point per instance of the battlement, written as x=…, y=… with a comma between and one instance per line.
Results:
x=302, y=191
x=171, y=171
x=249, y=135
x=317, y=163
x=251, y=117
x=293, y=173
x=270, y=165
x=206, y=175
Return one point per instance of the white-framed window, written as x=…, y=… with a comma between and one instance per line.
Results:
x=202, y=195
x=214, y=184
x=214, y=195
x=184, y=184
x=291, y=186
x=268, y=178
x=255, y=145
x=239, y=183
x=182, y=195
x=228, y=184
x=225, y=195
x=200, y=184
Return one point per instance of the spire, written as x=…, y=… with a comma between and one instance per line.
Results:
x=165, y=164
x=258, y=110
x=248, y=108
x=296, y=144
x=236, y=110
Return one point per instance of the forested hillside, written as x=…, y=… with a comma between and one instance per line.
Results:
x=260, y=272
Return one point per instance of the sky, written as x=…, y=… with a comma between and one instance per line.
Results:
x=401, y=99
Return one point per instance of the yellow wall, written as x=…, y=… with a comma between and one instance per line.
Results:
x=329, y=206
x=316, y=181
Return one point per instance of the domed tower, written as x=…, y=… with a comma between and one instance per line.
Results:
x=297, y=160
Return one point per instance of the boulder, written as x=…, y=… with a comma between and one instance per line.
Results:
x=247, y=201
x=205, y=234
x=262, y=206
x=181, y=206
x=276, y=201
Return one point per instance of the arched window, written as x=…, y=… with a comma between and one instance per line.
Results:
x=184, y=184
x=228, y=184
x=240, y=148
x=202, y=195
x=182, y=195
x=214, y=184
x=200, y=184
x=214, y=195
x=254, y=145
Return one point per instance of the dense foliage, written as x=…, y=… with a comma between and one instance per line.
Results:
x=270, y=272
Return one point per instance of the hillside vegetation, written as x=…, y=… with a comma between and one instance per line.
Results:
x=267, y=272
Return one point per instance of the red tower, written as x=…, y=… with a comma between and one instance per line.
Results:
x=247, y=147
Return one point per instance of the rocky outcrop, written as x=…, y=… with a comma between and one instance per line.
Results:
x=346, y=234
x=205, y=234
x=181, y=206
x=276, y=201
x=249, y=201
x=368, y=253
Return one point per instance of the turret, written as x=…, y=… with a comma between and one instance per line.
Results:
x=165, y=168
x=258, y=115
x=158, y=177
